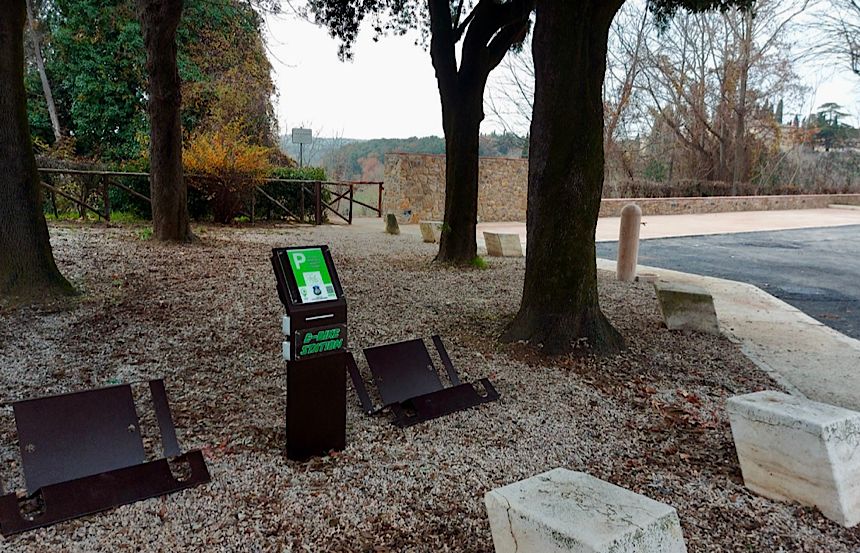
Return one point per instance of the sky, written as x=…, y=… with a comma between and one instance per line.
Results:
x=389, y=89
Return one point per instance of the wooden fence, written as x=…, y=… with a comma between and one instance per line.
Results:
x=316, y=197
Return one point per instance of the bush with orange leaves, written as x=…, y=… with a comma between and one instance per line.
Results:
x=225, y=167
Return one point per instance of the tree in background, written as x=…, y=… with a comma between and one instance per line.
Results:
x=96, y=61
x=712, y=80
x=689, y=100
x=839, y=24
x=168, y=192
x=27, y=267
x=560, y=308
x=487, y=31
x=830, y=132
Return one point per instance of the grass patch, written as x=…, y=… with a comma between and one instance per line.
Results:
x=479, y=262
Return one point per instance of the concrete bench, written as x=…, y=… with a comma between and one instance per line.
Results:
x=431, y=231
x=503, y=245
x=566, y=511
x=686, y=307
x=792, y=448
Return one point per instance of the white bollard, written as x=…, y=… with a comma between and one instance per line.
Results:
x=628, y=243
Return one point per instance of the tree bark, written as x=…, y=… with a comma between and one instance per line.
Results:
x=159, y=20
x=560, y=309
x=462, y=116
x=27, y=267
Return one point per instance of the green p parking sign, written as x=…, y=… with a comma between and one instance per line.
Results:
x=311, y=273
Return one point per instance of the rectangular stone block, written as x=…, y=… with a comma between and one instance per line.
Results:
x=566, y=511
x=431, y=231
x=503, y=245
x=686, y=307
x=792, y=448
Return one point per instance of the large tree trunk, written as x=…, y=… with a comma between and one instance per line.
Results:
x=27, y=267
x=462, y=116
x=159, y=20
x=560, y=308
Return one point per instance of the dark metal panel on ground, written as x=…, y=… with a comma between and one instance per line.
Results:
x=409, y=384
x=82, y=453
x=402, y=371
x=74, y=435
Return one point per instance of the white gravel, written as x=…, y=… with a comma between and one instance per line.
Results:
x=206, y=317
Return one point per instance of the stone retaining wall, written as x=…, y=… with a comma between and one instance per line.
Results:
x=611, y=207
x=415, y=187
x=415, y=190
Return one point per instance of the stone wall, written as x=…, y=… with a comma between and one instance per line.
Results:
x=415, y=190
x=611, y=207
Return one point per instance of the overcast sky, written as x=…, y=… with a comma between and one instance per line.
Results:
x=389, y=89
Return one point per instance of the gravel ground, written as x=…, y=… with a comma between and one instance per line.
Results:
x=206, y=317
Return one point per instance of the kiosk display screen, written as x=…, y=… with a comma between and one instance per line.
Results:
x=311, y=275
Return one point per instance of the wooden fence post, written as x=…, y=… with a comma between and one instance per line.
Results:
x=379, y=203
x=106, y=197
x=318, y=203
x=302, y=202
x=351, y=194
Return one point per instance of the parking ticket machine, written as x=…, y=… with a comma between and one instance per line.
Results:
x=315, y=341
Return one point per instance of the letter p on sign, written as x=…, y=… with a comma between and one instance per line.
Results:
x=299, y=259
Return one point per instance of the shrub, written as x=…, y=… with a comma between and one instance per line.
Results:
x=225, y=167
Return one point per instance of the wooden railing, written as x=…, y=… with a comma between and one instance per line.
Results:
x=322, y=196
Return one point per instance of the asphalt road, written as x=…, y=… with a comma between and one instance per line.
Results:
x=816, y=270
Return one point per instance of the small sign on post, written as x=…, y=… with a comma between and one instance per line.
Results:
x=301, y=137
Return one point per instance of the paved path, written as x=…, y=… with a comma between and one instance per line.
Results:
x=661, y=226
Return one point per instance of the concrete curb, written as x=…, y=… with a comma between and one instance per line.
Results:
x=803, y=355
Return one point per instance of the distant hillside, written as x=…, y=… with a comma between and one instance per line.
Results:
x=313, y=153
x=364, y=159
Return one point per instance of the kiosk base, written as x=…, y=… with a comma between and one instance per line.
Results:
x=316, y=406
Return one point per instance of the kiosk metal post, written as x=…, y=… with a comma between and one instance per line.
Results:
x=315, y=350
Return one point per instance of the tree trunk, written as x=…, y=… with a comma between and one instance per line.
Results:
x=27, y=267
x=43, y=75
x=494, y=27
x=159, y=20
x=462, y=115
x=560, y=308
x=739, y=172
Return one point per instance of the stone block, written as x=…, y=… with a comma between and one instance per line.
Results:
x=503, y=245
x=566, y=511
x=791, y=448
x=391, y=226
x=431, y=231
x=686, y=307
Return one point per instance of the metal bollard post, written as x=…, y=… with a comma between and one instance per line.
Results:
x=628, y=243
